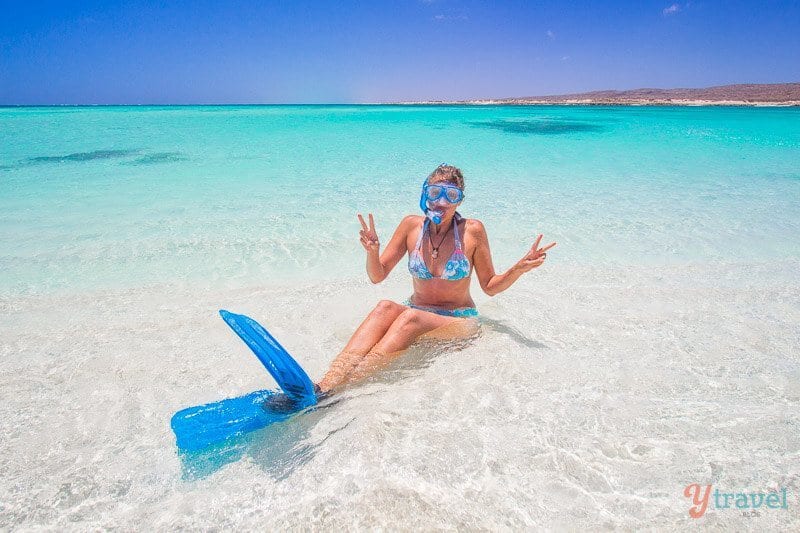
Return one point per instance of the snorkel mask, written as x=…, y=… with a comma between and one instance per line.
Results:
x=432, y=193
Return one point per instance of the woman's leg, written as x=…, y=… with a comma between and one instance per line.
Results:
x=371, y=330
x=408, y=327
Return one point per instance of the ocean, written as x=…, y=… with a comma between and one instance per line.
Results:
x=657, y=347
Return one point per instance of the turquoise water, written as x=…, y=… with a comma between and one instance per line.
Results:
x=237, y=194
x=657, y=347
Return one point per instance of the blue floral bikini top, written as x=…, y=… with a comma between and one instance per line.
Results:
x=457, y=266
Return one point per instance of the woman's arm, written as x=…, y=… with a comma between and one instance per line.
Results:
x=379, y=265
x=493, y=283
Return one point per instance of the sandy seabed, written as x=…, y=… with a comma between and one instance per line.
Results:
x=590, y=399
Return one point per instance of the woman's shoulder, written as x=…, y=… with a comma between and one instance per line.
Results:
x=474, y=231
x=410, y=223
x=411, y=220
x=474, y=225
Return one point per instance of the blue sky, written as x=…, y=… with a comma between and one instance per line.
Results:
x=242, y=51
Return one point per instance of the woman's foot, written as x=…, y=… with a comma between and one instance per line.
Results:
x=284, y=404
x=320, y=394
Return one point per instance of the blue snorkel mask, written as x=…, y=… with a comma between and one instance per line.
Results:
x=432, y=193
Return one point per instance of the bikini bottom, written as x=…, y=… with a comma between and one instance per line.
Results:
x=460, y=312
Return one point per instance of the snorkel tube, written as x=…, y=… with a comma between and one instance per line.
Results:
x=434, y=215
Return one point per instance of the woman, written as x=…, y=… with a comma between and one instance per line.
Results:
x=444, y=248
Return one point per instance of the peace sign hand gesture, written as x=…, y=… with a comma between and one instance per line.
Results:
x=535, y=256
x=369, y=238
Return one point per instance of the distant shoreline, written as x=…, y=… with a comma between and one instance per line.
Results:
x=631, y=103
x=747, y=95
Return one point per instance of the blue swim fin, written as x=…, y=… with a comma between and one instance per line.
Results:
x=289, y=375
x=198, y=427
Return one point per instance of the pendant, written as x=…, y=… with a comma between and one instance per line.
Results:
x=435, y=253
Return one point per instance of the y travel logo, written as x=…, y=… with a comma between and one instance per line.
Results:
x=700, y=497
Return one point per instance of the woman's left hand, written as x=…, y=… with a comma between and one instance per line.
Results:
x=535, y=256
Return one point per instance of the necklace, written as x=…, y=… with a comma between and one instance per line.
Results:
x=435, y=249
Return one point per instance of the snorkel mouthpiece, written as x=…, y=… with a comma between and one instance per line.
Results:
x=435, y=216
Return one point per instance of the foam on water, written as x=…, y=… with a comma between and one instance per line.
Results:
x=657, y=347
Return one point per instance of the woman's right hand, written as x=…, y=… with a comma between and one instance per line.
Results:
x=369, y=238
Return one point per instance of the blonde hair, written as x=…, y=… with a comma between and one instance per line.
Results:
x=448, y=173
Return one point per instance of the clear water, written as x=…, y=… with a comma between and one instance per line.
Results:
x=657, y=347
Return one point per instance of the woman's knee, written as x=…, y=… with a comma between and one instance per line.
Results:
x=386, y=307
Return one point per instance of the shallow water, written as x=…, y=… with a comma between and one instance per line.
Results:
x=657, y=347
